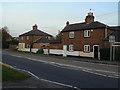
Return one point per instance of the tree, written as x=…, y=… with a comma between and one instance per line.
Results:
x=58, y=36
x=6, y=37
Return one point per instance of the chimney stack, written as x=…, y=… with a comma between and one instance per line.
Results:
x=35, y=27
x=89, y=18
x=67, y=23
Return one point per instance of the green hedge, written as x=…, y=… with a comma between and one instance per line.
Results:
x=105, y=54
x=40, y=51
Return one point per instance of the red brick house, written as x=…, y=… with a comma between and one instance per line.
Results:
x=85, y=39
x=35, y=38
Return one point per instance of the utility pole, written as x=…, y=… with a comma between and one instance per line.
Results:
x=111, y=40
x=110, y=51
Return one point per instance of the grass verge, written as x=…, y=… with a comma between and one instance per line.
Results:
x=12, y=75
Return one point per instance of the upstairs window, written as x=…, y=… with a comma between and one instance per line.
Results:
x=87, y=33
x=86, y=48
x=71, y=47
x=27, y=37
x=71, y=35
x=22, y=38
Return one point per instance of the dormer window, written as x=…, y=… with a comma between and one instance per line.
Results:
x=71, y=35
x=87, y=33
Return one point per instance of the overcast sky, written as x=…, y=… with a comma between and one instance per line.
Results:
x=52, y=16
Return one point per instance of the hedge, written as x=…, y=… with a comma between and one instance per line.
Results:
x=105, y=54
x=40, y=51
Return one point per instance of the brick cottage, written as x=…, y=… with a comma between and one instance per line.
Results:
x=35, y=38
x=87, y=38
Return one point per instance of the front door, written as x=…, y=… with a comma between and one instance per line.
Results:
x=96, y=50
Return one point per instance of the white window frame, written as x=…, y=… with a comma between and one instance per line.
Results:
x=71, y=35
x=88, y=50
x=21, y=46
x=71, y=47
x=27, y=45
x=27, y=37
x=22, y=38
x=86, y=33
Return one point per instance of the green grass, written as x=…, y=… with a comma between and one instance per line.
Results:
x=12, y=75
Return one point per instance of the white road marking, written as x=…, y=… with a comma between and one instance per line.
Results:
x=76, y=67
x=61, y=84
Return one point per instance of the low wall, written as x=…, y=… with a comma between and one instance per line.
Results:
x=28, y=50
x=55, y=51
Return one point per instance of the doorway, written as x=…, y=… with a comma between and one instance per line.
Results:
x=96, y=51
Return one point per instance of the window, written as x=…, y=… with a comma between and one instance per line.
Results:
x=21, y=38
x=71, y=47
x=87, y=33
x=43, y=45
x=27, y=37
x=71, y=35
x=27, y=46
x=21, y=46
x=86, y=48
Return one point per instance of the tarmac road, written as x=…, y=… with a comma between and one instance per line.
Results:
x=68, y=76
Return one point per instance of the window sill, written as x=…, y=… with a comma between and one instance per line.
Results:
x=87, y=37
x=71, y=51
x=86, y=51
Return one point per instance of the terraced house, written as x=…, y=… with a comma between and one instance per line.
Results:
x=87, y=38
x=35, y=39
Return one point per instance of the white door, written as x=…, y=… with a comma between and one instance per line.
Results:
x=64, y=50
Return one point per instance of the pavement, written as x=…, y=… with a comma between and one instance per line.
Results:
x=75, y=58
x=65, y=71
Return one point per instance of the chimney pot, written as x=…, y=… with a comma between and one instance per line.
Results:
x=35, y=27
x=67, y=23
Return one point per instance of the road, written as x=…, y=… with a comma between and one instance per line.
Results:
x=69, y=76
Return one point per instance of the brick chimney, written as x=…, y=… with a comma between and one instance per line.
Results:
x=67, y=23
x=35, y=27
x=89, y=18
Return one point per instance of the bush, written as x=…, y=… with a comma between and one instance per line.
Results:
x=117, y=54
x=105, y=54
x=40, y=51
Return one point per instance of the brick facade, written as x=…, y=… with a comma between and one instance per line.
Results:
x=96, y=38
x=56, y=46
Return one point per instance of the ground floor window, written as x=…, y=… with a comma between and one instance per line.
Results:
x=71, y=47
x=86, y=48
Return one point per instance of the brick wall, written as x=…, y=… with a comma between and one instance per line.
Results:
x=31, y=39
x=56, y=46
x=40, y=45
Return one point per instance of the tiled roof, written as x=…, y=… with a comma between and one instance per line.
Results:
x=56, y=41
x=114, y=27
x=42, y=40
x=116, y=34
x=35, y=32
x=83, y=26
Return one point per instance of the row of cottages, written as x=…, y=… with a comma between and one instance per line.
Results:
x=80, y=39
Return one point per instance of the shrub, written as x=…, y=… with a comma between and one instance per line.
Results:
x=117, y=54
x=105, y=54
x=40, y=51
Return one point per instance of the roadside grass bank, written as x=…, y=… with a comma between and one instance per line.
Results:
x=12, y=75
